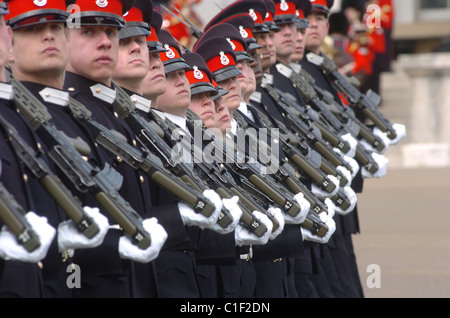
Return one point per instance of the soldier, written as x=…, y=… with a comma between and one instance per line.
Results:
x=40, y=68
x=154, y=83
x=344, y=283
x=108, y=270
x=202, y=103
x=20, y=274
x=172, y=106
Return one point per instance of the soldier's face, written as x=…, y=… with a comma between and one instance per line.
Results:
x=317, y=31
x=177, y=97
x=285, y=40
x=256, y=66
x=250, y=82
x=154, y=83
x=222, y=119
x=203, y=105
x=264, y=53
x=5, y=44
x=93, y=52
x=133, y=61
x=243, y=80
x=272, y=49
x=299, y=45
x=39, y=49
x=233, y=98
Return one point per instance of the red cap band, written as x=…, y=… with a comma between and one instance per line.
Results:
x=285, y=7
x=172, y=53
x=221, y=61
x=18, y=7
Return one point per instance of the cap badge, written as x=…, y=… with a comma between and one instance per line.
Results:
x=252, y=13
x=224, y=59
x=197, y=73
x=284, y=6
x=170, y=54
x=40, y=3
x=101, y=3
x=232, y=44
x=244, y=33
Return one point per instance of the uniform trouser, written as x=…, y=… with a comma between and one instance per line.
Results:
x=341, y=272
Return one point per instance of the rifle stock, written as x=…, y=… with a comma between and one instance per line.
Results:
x=13, y=215
x=366, y=102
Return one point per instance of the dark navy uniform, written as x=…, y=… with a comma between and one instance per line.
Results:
x=345, y=225
x=33, y=197
x=17, y=279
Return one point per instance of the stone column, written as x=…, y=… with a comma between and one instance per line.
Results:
x=429, y=128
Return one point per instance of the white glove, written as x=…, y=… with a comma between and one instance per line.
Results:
x=192, y=218
x=382, y=163
x=351, y=195
x=352, y=142
x=400, y=131
x=304, y=209
x=10, y=249
x=308, y=236
x=278, y=216
x=243, y=236
x=322, y=194
x=384, y=139
x=236, y=213
x=351, y=162
x=346, y=173
x=331, y=207
x=70, y=238
x=158, y=236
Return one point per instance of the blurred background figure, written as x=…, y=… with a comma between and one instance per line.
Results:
x=183, y=9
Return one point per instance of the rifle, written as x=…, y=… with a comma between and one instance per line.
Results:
x=142, y=160
x=309, y=94
x=151, y=135
x=218, y=179
x=364, y=131
x=367, y=102
x=306, y=159
x=195, y=31
x=283, y=175
x=264, y=188
x=13, y=215
x=50, y=182
x=103, y=184
x=310, y=133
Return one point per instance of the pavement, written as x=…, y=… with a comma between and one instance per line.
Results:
x=403, y=250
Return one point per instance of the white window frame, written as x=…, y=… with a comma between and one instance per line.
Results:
x=433, y=14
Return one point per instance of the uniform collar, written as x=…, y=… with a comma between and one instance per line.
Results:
x=141, y=103
x=243, y=107
x=179, y=121
x=6, y=91
x=55, y=96
x=103, y=93
x=82, y=85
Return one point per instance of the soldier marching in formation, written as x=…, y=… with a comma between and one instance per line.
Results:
x=136, y=164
